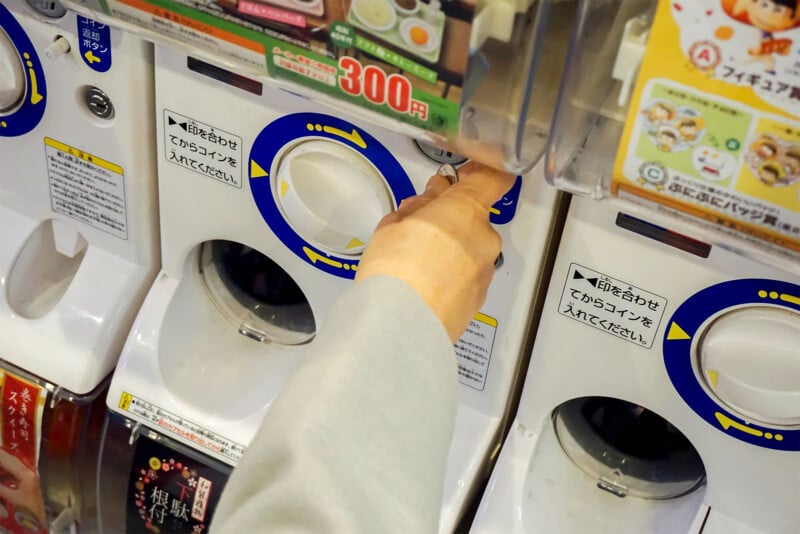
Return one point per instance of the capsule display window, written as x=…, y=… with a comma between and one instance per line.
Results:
x=477, y=77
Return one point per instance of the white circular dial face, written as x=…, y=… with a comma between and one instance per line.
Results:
x=750, y=359
x=12, y=77
x=331, y=195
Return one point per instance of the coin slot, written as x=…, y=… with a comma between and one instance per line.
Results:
x=627, y=449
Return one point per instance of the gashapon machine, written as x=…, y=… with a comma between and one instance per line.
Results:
x=475, y=77
x=268, y=197
x=78, y=251
x=662, y=390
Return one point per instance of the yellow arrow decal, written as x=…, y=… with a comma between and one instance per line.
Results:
x=314, y=257
x=494, y=211
x=355, y=243
x=35, y=96
x=713, y=377
x=791, y=299
x=354, y=137
x=727, y=423
x=91, y=58
x=676, y=332
x=256, y=171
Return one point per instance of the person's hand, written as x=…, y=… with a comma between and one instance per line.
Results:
x=442, y=244
x=20, y=486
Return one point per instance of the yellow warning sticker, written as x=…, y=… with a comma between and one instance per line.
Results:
x=87, y=188
x=474, y=351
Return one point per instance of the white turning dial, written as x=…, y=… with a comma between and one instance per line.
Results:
x=331, y=195
x=12, y=77
x=750, y=359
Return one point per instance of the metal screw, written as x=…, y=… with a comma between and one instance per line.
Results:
x=98, y=103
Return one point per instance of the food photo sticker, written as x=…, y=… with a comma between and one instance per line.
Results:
x=407, y=59
x=22, y=509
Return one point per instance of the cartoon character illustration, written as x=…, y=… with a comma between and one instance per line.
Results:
x=791, y=161
x=765, y=147
x=689, y=127
x=666, y=138
x=768, y=16
x=659, y=112
x=713, y=164
x=774, y=161
x=672, y=128
x=769, y=173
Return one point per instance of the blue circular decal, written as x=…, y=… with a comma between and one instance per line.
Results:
x=685, y=324
x=300, y=126
x=30, y=112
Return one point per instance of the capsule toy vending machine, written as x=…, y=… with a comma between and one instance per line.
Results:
x=78, y=251
x=286, y=132
x=662, y=390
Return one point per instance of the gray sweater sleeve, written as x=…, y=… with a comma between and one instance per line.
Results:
x=358, y=438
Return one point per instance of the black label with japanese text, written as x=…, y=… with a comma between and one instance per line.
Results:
x=615, y=307
x=170, y=492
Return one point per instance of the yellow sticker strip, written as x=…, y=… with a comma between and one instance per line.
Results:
x=90, y=158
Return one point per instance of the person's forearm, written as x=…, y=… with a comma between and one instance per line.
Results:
x=357, y=441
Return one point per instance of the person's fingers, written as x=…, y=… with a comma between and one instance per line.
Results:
x=484, y=184
x=436, y=185
x=12, y=464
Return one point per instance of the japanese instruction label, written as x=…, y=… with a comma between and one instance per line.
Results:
x=87, y=188
x=203, y=149
x=170, y=423
x=612, y=306
x=170, y=492
x=713, y=125
x=22, y=408
x=474, y=351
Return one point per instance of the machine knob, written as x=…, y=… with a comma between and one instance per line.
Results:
x=12, y=77
x=331, y=195
x=58, y=48
x=750, y=359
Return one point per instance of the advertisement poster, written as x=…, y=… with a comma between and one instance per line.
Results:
x=22, y=509
x=170, y=492
x=713, y=128
x=403, y=58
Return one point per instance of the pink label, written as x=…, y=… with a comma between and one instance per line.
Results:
x=270, y=13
